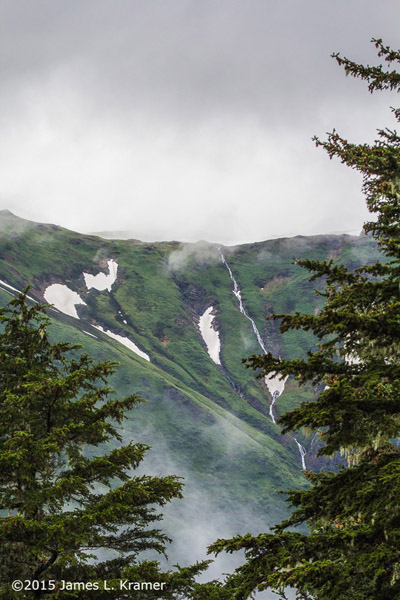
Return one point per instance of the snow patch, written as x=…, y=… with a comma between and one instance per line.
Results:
x=125, y=341
x=15, y=289
x=352, y=359
x=91, y=334
x=63, y=298
x=275, y=384
x=210, y=335
x=102, y=281
x=9, y=286
x=7, y=291
x=276, y=387
x=123, y=320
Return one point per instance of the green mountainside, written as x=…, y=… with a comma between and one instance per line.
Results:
x=209, y=423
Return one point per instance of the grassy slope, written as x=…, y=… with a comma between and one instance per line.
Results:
x=194, y=419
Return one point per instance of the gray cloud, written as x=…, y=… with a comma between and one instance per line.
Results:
x=186, y=120
x=200, y=253
x=196, y=521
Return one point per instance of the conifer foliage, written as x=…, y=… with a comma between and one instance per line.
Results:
x=67, y=491
x=352, y=551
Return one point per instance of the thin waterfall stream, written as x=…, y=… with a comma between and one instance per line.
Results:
x=275, y=397
x=238, y=295
x=279, y=385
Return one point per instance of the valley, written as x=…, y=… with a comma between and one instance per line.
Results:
x=179, y=319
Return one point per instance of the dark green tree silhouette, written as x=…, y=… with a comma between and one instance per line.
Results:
x=352, y=551
x=71, y=508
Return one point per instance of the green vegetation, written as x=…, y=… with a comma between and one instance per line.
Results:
x=70, y=511
x=353, y=515
x=210, y=424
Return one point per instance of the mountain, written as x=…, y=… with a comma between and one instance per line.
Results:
x=179, y=318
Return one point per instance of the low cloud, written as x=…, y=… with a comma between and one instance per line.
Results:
x=186, y=120
x=200, y=253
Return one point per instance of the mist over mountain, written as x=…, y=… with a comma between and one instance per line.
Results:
x=179, y=318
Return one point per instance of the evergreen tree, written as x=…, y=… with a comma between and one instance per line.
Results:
x=70, y=508
x=352, y=551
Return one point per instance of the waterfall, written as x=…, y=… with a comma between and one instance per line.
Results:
x=275, y=397
x=238, y=295
x=275, y=382
x=303, y=453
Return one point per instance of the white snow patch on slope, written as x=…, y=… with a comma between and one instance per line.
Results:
x=15, y=289
x=91, y=334
x=7, y=291
x=274, y=384
x=210, y=335
x=63, y=298
x=125, y=341
x=276, y=387
x=9, y=286
x=101, y=281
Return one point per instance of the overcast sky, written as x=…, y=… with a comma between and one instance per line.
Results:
x=187, y=119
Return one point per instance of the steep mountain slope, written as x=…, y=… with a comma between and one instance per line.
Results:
x=206, y=416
